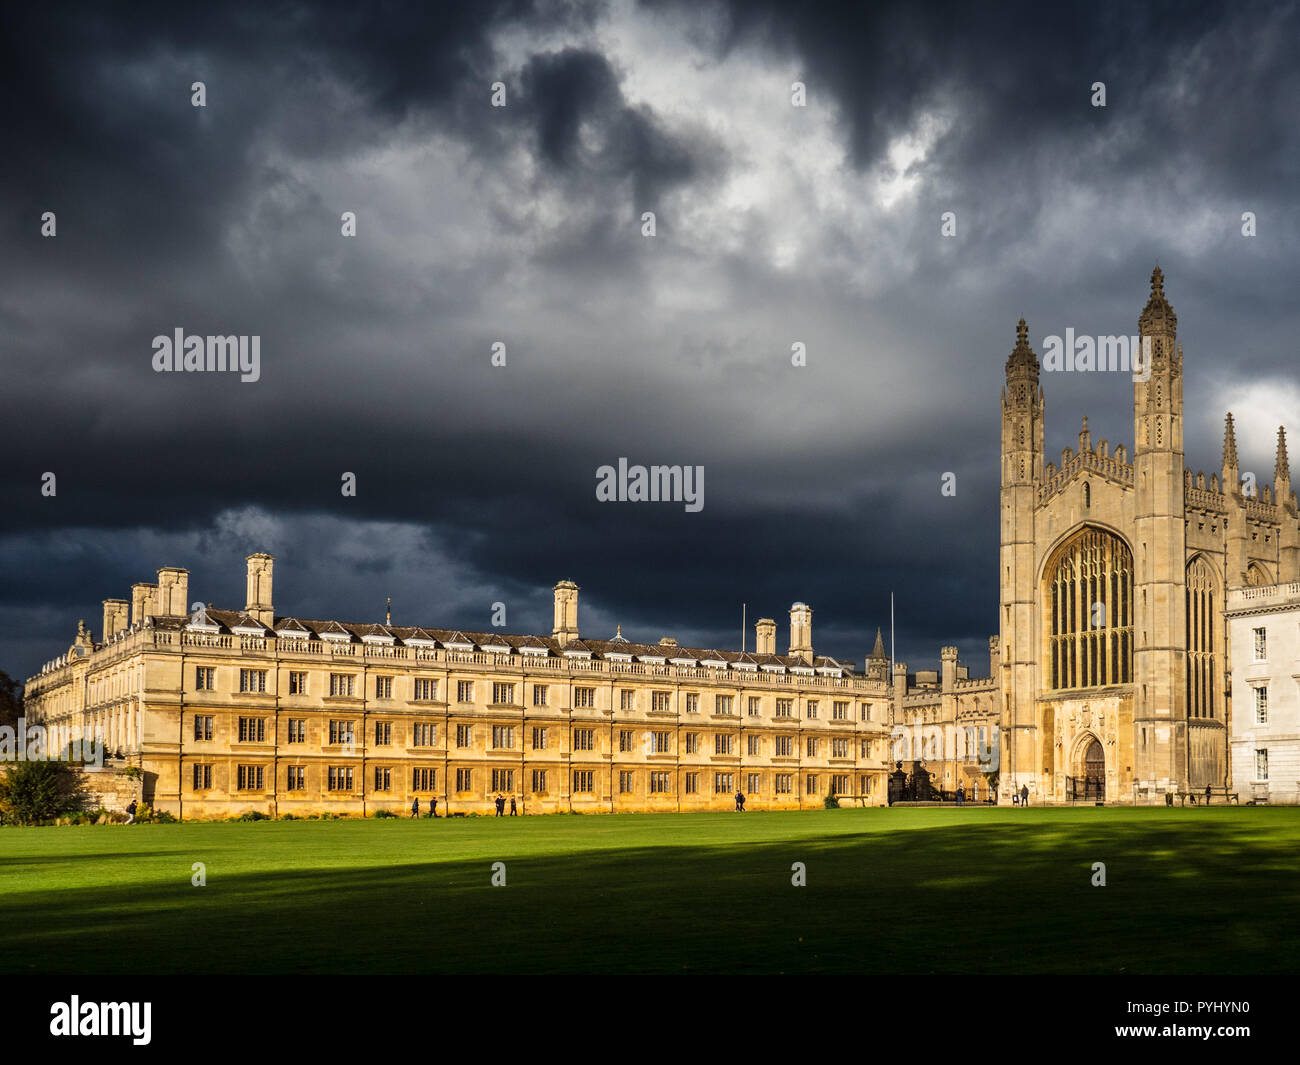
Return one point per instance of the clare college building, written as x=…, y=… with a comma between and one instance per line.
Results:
x=1131, y=588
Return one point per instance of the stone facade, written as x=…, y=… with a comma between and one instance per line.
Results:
x=1114, y=575
x=1264, y=743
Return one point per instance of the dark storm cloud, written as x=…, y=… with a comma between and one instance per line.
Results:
x=522, y=225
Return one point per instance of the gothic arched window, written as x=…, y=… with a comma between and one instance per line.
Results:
x=1088, y=599
x=1200, y=638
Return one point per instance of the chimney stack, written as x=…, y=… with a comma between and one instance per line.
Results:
x=258, y=597
x=115, y=617
x=801, y=632
x=566, y=612
x=144, y=602
x=765, y=644
x=173, y=586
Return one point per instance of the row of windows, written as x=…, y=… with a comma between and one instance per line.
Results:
x=341, y=733
x=340, y=778
x=503, y=694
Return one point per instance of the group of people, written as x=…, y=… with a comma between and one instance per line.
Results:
x=500, y=807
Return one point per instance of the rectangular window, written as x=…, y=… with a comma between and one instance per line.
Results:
x=864, y=711
x=297, y=683
x=754, y=704
x=584, y=739
x=296, y=778
x=342, y=684
x=751, y=783
x=753, y=745
x=341, y=732
x=812, y=784
x=464, y=779
x=203, y=728
x=659, y=783
x=659, y=701
x=205, y=679
x=722, y=783
x=425, y=734
x=383, y=687
x=1261, y=706
x=785, y=708
x=839, y=711
x=812, y=708
x=297, y=730
x=249, y=778
x=503, y=736
x=839, y=748
x=722, y=704
x=383, y=778
x=340, y=778
x=659, y=743
x=692, y=743
x=839, y=784
x=252, y=730
x=503, y=694
x=692, y=783
x=692, y=702
x=464, y=691
x=626, y=699
x=812, y=746
x=584, y=698
x=539, y=739
x=252, y=680
x=865, y=748
x=624, y=782
x=1261, y=645
x=464, y=736
x=583, y=781
x=783, y=783
x=539, y=694
x=383, y=733
x=722, y=743
x=503, y=780
x=626, y=740
x=424, y=780
x=539, y=781
x=1261, y=765
x=426, y=689
x=202, y=776
x=783, y=746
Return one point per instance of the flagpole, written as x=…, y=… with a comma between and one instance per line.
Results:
x=744, y=607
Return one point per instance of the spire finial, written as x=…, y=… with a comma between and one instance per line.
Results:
x=1229, y=444
x=1157, y=281
x=1282, y=468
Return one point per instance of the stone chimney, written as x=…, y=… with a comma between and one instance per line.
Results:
x=115, y=617
x=765, y=644
x=173, y=587
x=948, y=667
x=258, y=597
x=801, y=632
x=144, y=602
x=566, y=612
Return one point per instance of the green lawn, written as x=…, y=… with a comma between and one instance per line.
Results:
x=892, y=891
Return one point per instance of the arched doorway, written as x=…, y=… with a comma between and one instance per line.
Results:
x=1089, y=779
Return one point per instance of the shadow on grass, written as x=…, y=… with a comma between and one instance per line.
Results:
x=1201, y=896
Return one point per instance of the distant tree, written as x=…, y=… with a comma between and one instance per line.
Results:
x=34, y=792
x=11, y=700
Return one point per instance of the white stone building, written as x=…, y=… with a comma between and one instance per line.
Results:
x=1264, y=734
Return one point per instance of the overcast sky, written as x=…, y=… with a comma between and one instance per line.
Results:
x=522, y=224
